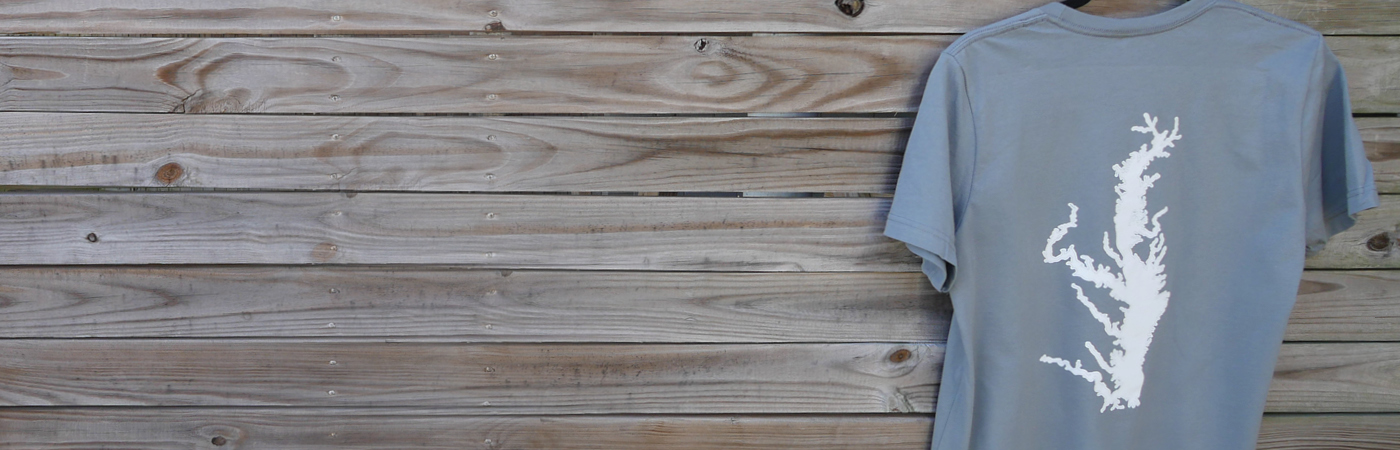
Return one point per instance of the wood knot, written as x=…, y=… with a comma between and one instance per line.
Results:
x=496, y=26
x=324, y=251
x=92, y=237
x=850, y=7
x=219, y=441
x=701, y=45
x=1379, y=243
x=900, y=355
x=169, y=172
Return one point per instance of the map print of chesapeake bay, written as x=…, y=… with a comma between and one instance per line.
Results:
x=1136, y=283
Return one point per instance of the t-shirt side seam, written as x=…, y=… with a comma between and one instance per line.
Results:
x=972, y=171
x=957, y=397
x=1305, y=159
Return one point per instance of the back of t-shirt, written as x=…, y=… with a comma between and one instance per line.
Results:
x=1120, y=209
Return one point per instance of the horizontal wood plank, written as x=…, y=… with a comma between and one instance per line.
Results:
x=448, y=429
x=649, y=16
x=1334, y=377
x=472, y=305
x=485, y=378
x=505, y=231
x=489, y=154
x=596, y=74
x=1346, y=305
x=1382, y=140
x=557, y=306
x=488, y=230
x=1321, y=431
x=650, y=154
x=1372, y=243
x=577, y=378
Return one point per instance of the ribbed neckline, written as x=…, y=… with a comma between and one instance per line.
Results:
x=1100, y=25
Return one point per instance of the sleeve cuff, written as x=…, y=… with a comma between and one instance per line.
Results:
x=935, y=248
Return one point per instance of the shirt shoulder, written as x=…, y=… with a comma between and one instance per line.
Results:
x=1025, y=18
x=1266, y=18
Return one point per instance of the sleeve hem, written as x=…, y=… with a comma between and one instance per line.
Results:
x=1357, y=201
x=912, y=233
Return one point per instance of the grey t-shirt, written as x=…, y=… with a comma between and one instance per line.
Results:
x=1120, y=209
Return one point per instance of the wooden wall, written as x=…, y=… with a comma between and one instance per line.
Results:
x=536, y=224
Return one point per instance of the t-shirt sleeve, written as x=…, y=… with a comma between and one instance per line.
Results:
x=933, y=181
x=1339, y=179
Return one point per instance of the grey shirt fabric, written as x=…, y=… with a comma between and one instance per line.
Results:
x=1120, y=210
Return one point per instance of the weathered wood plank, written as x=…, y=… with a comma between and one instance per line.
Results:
x=497, y=154
x=651, y=154
x=1351, y=305
x=1318, y=431
x=557, y=306
x=1373, y=242
x=450, y=429
x=491, y=230
x=651, y=16
x=577, y=378
x=1334, y=377
x=506, y=231
x=1372, y=67
x=484, y=378
x=473, y=305
x=596, y=74
x=1382, y=137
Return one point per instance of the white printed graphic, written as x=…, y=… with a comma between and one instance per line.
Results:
x=1138, y=284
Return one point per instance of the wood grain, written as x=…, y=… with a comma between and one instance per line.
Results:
x=1372, y=68
x=1382, y=138
x=489, y=154
x=577, y=378
x=557, y=306
x=650, y=154
x=1310, y=431
x=448, y=429
x=1372, y=243
x=1335, y=377
x=451, y=429
x=1350, y=305
x=597, y=74
x=649, y=16
x=568, y=378
x=486, y=230
x=472, y=305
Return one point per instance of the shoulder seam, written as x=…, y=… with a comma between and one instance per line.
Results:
x=1269, y=17
x=974, y=35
